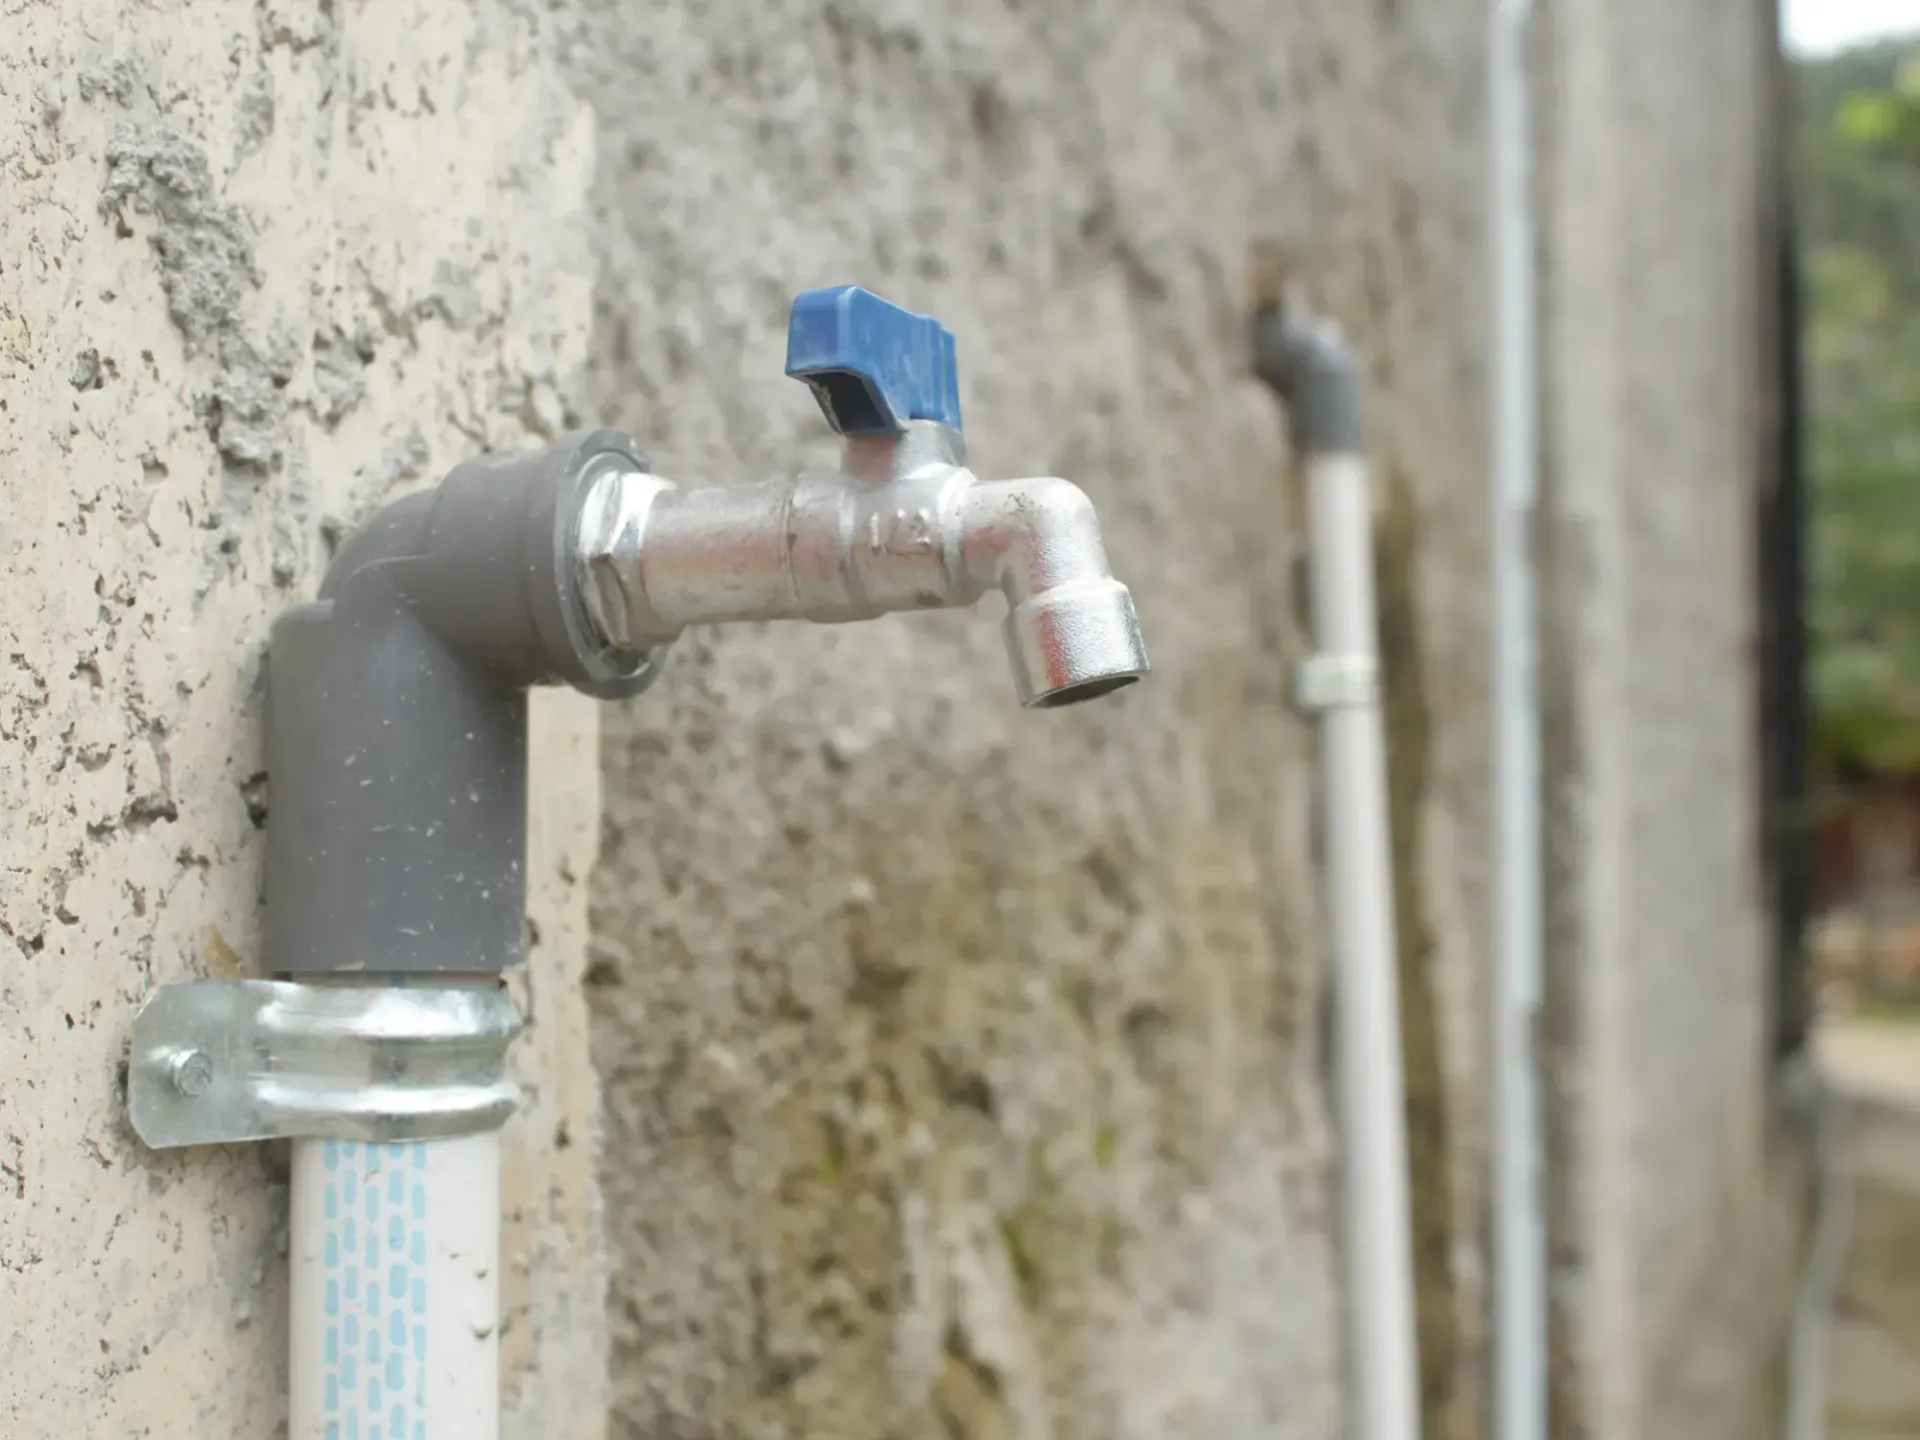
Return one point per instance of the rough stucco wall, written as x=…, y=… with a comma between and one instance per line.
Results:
x=962, y=1066
x=1666, y=1153
x=1046, y=1055
x=261, y=266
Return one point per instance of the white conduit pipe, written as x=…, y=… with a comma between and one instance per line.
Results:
x=1807, y=1346
x=1520, y=1243
x=1372, y=1092
x=1310, y=366
x=395, y=1290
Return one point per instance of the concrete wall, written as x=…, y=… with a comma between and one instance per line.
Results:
x=963, y=1066
x=261, y=266
x=1669, y=1155
x=929, y=1067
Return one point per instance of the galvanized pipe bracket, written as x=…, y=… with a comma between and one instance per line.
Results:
x=215, y=1062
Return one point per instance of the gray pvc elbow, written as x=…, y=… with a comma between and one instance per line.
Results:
x=1316, y=374
x=396, y=732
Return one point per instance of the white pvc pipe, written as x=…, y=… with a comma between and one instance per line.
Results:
x=1359, y=866
x=395, y=1290
x=1807, y=1347
x=1520, y=1247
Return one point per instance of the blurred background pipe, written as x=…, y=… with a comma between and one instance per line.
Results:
x=1309, y=365
x=1519, y=1222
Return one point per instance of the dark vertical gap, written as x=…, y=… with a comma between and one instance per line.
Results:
x=1782, y=492
x=1793, y=835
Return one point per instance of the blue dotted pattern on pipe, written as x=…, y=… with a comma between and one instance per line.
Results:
x=375, y=1239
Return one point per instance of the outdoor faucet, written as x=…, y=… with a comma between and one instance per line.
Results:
x=901, y=526
x=377, y=1038
x=397, y=736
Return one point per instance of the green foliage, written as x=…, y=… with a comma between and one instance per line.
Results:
x=1882, y=112
x=1869, y=117
x=1859, y=161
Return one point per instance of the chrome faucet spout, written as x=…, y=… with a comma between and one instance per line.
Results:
x=656, y=558
x=902, y=525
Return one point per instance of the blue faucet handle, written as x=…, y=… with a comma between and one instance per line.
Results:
x=870, y=364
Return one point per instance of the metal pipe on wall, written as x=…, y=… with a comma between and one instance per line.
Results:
x=1520, y=1284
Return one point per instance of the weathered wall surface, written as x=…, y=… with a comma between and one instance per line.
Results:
x=261, y=265
x=963, y=1066
x=1668, y=1155
x=963, y=1069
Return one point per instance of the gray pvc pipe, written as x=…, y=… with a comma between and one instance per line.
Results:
x=397, y=719
x=1307, y=363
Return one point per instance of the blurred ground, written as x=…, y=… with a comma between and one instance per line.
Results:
x=1872, y=1058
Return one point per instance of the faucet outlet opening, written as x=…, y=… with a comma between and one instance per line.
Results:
x=1075, y=642
x=1085, y=690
